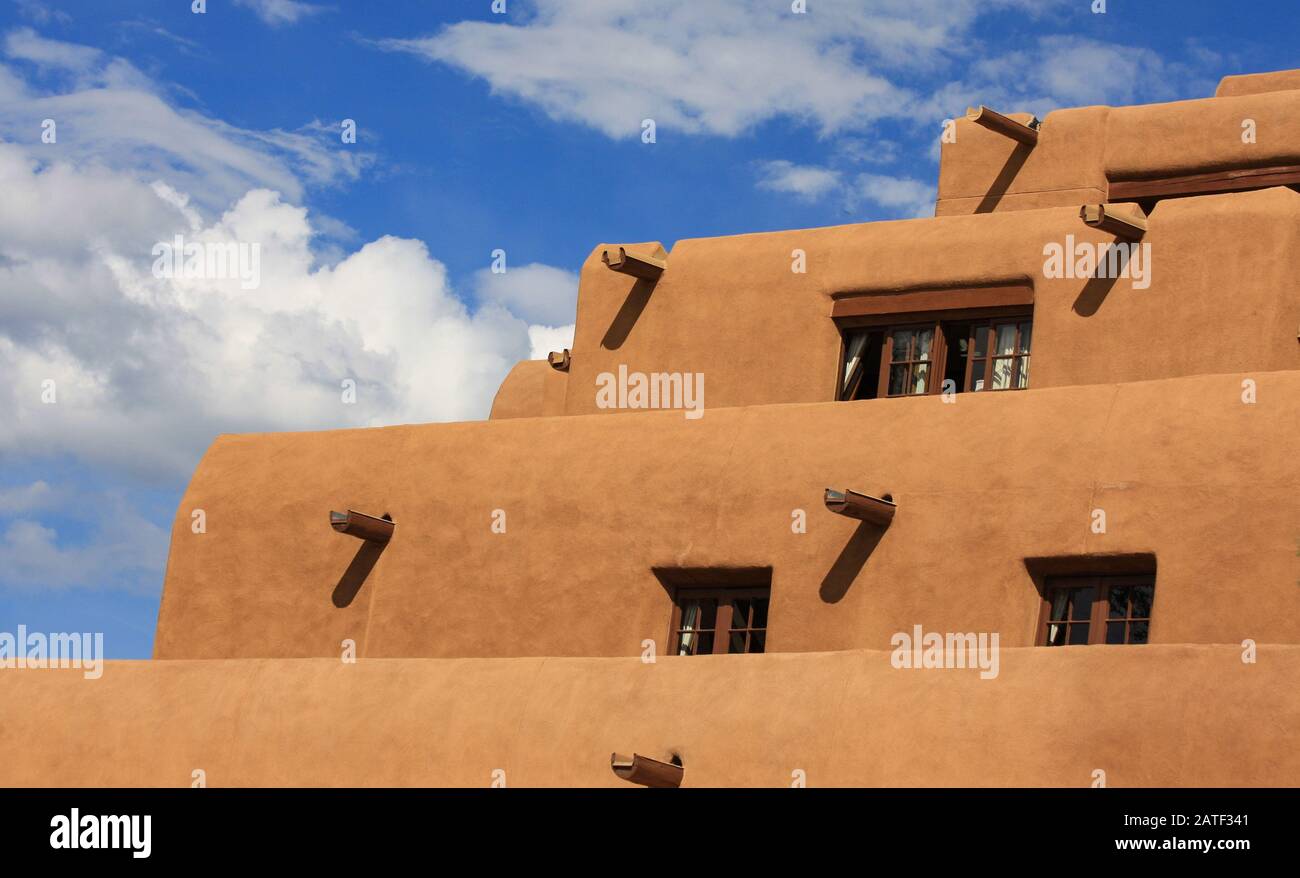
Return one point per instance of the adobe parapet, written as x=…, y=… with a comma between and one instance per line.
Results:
x=1247, y=137
x=513, y=535
x=1207, y=287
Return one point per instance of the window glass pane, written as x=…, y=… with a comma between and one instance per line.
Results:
x=982, y=341
x=1124, y=599
x=1059, y=598
x=1118, y=600
x=1001, y=374
x=902, y=346
x=854, y=346
x=1142, y=596
x=924, y=341
x=739, y=615
x=977, y=374
x=690, y=614
x=920, y=377
x=1026, y=330
x=1022, y=380
x=1081, y=603
x=897, y=380
x=1007, y=338
x=708, y=613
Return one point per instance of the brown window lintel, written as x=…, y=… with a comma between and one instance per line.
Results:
x=892, y=305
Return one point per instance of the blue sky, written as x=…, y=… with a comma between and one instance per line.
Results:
x=476, y=131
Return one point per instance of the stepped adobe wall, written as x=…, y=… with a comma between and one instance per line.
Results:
x=1220, y=299
x=1183, y=468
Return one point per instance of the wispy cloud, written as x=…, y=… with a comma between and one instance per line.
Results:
x=117, y=548
x=41, y=13
x=708, y=68
x=895, y=197
x=279, y=12
x=844, y=66
x=1068, y=71
x=24, y=44
x=108, y=112
x=808, y=182
x=26, y=498
x=902, y=197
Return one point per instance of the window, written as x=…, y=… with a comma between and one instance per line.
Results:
x=1081, y=610
x=912, y=359
x=719, y=620
x=911, y=354
x=999, y=356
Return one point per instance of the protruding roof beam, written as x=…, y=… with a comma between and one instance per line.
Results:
x=559, y=360
x=1128, y=222
x=1004, y=125
x=861, y=506
x=362, y=526
x=647, y=266
x=647, y=772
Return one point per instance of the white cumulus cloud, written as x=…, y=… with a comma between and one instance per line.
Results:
x=545, y=339
x=129, y=375
x=538, y=293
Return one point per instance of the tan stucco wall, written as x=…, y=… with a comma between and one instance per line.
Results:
x=532, y=390
x=1258, y=83
x=1182, y=468
x=1081, y=150
x=732, y=309
x=1194, y=137
x=982, y=171
x=1145, y=715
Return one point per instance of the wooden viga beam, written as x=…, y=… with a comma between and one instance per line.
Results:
x=1129, y=222
x=861, y=506
x=647, y=266
x=646, y=772
x=1004, y=125
x=559, y=360
x=362, y=526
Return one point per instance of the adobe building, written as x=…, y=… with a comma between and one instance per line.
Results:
x=1063, y=411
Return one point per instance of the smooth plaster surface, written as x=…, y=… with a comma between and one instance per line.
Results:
x=1158, y=715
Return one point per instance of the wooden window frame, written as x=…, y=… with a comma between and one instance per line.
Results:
x=991, y=357
x=722, y=629
x=938, y=349
x=1099, y=615
x=936, y=321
